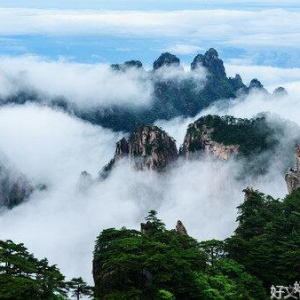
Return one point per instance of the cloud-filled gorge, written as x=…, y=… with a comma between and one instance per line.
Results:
x=52, y=147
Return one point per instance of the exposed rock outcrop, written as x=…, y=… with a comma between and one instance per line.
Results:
x=292, y=177
x=122, y=149
x=180, y=228
x=151, y=148
x=198, y=141
x=14, y=188
x=148, y=148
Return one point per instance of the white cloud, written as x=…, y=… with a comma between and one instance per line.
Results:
x=274, y=27
x=183, y=49
x=270, y=77
x=87, y=85
x=62, y=222
x=182, y=73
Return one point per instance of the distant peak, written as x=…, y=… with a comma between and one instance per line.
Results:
x=127, y=65
x=212, y=53
x=211, y=61
x=166, y=59
x=280, y=91
x=254, y=83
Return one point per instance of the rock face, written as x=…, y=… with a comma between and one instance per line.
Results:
x=292, y=177
x=148, y=148
x=122, y=149
x=151, y=148
x=14, y=188
x=198, y=141
x=180, y=228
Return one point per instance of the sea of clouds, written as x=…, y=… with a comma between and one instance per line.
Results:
x=53, y=148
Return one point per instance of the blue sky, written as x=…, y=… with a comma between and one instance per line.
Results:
x=256, y=32
x=151, y=4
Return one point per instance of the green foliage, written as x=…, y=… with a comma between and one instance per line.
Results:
x=79, y=288
x=252, y=135
x=24, y=277
x=163, y=294
x=156, y=223
x=257, y=139
x=130, y=264
x=267, y=240
x=163, y=264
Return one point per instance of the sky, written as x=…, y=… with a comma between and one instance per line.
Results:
x=256, y=32
x=64, y=48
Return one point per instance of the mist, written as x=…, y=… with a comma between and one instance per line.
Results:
x=62, y=222
x=86, y=85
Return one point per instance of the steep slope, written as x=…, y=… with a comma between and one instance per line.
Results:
x=148, y=148
x=255, y=141
x=292, y=177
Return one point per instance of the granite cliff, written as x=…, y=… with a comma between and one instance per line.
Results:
x=148, y=148
x=198, y=141
x=292, y=177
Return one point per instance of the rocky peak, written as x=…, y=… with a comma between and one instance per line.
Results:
x=122, y=149
x=237, y=82
x=166, y=59
x=180, y=228
x=151, y=148
x=292, y=177
x=255, y=84
x=211, y=61
x=280, y=91
x=148, y=148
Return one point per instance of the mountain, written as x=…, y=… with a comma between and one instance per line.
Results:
x=148, y=148
x=256, y=143
x=175, y=92
x=165, y=264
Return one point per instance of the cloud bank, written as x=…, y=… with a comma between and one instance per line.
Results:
x=86, y=85
x=62, y=222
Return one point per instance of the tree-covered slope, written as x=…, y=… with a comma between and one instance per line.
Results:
x=165, y=264
x=267, y=239
x=24, y=277
x=256, y=141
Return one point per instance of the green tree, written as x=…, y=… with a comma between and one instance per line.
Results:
x=22, y=276
x=79, y=288
x=163, y=264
